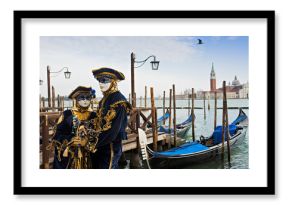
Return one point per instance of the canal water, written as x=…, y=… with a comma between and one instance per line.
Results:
x=239, y=154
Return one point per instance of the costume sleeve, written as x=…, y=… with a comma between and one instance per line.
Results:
x=63, y=130
x=110, y=132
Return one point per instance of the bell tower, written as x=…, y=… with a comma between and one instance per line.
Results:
x=212, y=79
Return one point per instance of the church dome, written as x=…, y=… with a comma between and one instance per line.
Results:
x=235, y=82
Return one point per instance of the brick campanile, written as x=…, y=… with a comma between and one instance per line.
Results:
x=212, y=79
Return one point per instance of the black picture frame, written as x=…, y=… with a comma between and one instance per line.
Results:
x=268, y=190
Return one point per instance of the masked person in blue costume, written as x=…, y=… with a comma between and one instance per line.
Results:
x=75, y=136
x=111, y=120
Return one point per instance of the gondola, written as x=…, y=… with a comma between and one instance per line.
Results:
x=201, y=150
x=161, y=120
x=181, y=129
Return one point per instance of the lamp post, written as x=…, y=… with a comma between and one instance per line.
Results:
x=154, y=64
x=67, y=74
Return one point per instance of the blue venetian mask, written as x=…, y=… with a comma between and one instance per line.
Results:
x=104, y=80
x=84, y=97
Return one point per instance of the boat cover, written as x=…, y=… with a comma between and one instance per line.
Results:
x=188, y=120
x=217, y=134
x=187, y=148
x=164, y=117
x=239, y=119
x=178, y=126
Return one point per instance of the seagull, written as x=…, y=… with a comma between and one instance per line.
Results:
x=199, y=41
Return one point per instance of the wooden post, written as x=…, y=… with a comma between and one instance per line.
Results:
x=174, y=115
x=227, y=133
x=48, y=86
x=159, y=146
x=45, y=141
x=134, y=100
x=145, y=98
x=208, y=105
x=215, y=109
x=163, y=107
x=223, y=122
x=140, y=101
x=138, y=123
x=188, y=103
x=204, y=106
x=170, y=117
x=154, y=128
x=138, y=126
x=58, y=102
x=133, y=80
x=130, y=99
x=62, y=103
x=192, y=113
x=53, y=99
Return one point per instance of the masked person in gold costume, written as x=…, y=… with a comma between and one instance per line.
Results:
x=75, y=137
x=111, y=120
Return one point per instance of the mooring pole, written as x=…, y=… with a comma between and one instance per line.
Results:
x=140, y=101
x=192, y=113
x=133, y=80
x=45, y=142
x=223, y=121
x=174, y=115
x=215, y=109
x=188, y=104
x=204, y=115
x=53, y=99
x=154, y=127
x=48, y=86
x=208, y=105
x=170, y=117
x=58, y=102
x=163, y=107
x=227, y=130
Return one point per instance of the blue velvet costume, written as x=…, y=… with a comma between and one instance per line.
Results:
x=75, y=137
x=65, y=131
x=112, y=121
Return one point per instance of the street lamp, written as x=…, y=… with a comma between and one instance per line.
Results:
x=154, y=64
x=67, y=75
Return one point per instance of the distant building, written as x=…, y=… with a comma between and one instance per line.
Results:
x=212, y=79
x=233, y=90
x=244, y=92
x=236, y=82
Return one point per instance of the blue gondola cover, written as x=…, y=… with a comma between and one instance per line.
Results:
x=164, y=117
x=239, y=119
x=184, y=149
x=178, y=126
x=217, y=134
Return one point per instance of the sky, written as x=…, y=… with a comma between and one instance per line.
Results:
x=183, y=62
